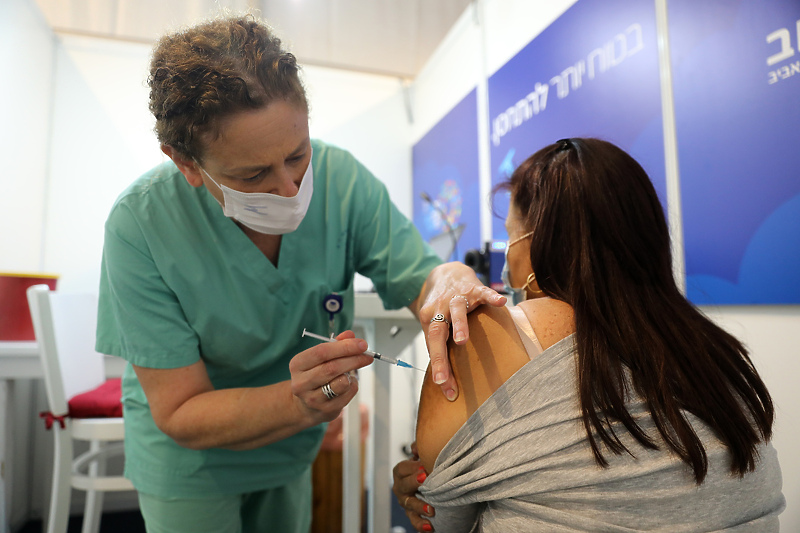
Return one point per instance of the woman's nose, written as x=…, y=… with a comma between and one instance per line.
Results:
x=289, y=184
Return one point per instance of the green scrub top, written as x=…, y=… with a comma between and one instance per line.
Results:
x=181, y=282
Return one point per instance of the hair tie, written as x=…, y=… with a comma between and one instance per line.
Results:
x=564, y=144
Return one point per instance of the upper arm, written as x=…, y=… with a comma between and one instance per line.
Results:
x=168, y=389
x=493, y=353
x=437, y=420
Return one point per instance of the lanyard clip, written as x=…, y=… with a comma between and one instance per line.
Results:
x=333, y=305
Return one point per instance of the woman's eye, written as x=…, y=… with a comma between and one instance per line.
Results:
x=254, y=178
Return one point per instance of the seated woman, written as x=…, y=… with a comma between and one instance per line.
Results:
x=604, y=401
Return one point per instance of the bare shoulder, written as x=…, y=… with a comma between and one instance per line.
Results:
x=551, y=319
x=493, y=353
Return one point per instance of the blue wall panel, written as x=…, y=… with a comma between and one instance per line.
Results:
x=736, y=70
x=445, y=166
x=592, y=73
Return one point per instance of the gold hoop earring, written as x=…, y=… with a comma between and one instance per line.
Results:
x=531, y=279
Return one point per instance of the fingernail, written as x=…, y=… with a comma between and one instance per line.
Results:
x=459, y=337
x=450, y=394
x=427, y=527
x=497, y=297
x=362, y=345
x=421, y=469
x=439, y=378
x=428, y=509
x=421, y=477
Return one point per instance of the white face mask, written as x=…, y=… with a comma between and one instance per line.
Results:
x=268, y=213
x=517, y=295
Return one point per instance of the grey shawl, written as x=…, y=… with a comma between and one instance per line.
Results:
x=522, y=462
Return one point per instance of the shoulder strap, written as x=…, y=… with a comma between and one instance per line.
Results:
x=526, y=333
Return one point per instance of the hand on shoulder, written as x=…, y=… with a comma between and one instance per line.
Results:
x=493, y=353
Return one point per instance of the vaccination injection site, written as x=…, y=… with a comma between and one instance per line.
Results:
x=396, y=266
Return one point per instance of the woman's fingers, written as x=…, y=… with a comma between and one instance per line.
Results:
x=324, y=404
x=408, y=476
x=405, y=475
x=451, y=309
x=418, y=512
x=338, y=386
x=438, y=333
x=462, y=303
x=323, y=380
x=328, y=351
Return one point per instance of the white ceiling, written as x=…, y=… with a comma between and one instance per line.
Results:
x=394, y=37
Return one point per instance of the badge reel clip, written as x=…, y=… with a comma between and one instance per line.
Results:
x=332, y=304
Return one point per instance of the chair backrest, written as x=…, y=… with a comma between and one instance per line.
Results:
x=64, y=325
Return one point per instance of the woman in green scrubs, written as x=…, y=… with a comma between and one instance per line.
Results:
x=216, y=260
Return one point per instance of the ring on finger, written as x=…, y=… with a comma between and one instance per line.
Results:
x=439, y=317
x=466, y=300
x=405, y=502
x=328, y=391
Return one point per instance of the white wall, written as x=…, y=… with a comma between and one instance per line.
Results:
x=367, y=115
x=772, y=333
x=26, y=53
x=101, y=141
x=26, y=56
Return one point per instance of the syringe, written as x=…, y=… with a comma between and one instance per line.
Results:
x=373, y=354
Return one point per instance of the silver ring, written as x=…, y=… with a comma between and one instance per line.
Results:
x=466, y=300
x=328, y=391
x=439, y=317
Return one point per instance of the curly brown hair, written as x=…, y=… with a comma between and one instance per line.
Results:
x=213, y=69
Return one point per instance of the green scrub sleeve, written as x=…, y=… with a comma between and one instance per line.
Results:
x=389, y=249
x=156, y=333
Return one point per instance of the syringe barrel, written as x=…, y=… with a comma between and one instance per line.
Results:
x=384, y=358
x=371, y=353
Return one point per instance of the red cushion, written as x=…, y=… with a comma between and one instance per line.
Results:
x=103, y=402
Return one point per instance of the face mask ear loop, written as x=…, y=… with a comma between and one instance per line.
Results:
x=529, y=287
x=518, y=239
x=207, y=175
x=221, y=204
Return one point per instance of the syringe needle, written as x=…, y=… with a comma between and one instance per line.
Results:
x=406, y=365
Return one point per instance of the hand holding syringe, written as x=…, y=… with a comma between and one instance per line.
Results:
x=375, y=355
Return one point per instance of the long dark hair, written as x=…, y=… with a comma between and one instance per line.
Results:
x=601, y=243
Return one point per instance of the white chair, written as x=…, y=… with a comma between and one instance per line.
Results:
x=65, y=325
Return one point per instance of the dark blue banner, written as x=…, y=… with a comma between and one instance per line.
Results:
x=445, y=167
x=736, y=69
x=591, y=73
